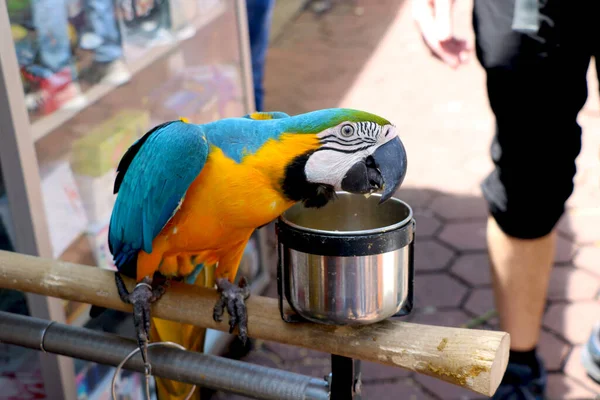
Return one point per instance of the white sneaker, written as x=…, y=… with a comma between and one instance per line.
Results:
x=117, y=74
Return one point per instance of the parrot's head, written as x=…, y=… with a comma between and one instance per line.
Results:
x=358, y=152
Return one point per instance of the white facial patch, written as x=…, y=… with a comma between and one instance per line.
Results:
x=342, y=147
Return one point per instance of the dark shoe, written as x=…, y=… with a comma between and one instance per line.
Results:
x=590, y=354
x=520, y=383
x=114, y=73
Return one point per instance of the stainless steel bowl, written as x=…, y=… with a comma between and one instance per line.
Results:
x=348, y=263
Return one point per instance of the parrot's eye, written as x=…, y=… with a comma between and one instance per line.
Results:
x=347, y=130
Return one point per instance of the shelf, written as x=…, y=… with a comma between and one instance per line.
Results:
x=49, y=123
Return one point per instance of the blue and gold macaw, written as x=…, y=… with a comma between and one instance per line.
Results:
x=190, y=196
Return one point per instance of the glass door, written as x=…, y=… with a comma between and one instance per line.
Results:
x=95, y=76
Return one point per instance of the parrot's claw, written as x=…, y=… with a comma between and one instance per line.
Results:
x=142, y=296
x=234, y=299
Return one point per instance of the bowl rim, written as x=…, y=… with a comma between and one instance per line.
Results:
x=379, y=230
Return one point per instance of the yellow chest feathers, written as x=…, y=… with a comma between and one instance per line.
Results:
x=246, y=194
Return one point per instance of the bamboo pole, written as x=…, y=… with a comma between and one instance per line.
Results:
x=473, y=359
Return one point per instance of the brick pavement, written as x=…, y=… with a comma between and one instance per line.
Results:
x=366, y=54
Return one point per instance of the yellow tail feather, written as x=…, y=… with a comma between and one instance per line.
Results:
x=189, y=336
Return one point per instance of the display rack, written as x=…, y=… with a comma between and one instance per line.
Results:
x=47, y=124
x=58, y=154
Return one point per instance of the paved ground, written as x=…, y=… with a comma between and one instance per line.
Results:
x=365, y=54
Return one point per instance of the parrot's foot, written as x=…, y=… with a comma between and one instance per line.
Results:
x=234, y=298
x=142, y=296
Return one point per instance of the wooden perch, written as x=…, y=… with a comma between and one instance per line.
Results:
x=473, y=359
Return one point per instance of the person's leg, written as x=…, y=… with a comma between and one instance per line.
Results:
x=51, y=75
x=51, y=24
x=520, y=273
x=536, y=87
x=108, y=66
x=259, y=24
x=102, y=20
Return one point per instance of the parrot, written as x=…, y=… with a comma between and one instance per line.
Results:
x=189, y=196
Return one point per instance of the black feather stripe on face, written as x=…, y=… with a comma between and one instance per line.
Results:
x=297, y=188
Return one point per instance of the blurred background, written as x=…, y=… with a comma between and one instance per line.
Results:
x=107, y=71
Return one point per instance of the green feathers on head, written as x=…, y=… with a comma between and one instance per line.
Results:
x=318, y=121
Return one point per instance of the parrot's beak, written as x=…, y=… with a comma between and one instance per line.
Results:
x=390, y=160
x=383, y=171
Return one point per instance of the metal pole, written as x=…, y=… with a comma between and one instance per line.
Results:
x=204, y=370
x=345, y=378
x=245, y=57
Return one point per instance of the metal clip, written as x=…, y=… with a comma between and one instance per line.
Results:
x=44, y=335
x=147, y=373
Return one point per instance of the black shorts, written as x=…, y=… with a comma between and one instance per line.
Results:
x=536, y=86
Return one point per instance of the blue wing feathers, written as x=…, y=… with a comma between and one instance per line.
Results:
x=154, y=174
x=131, y=153
x=153, y=177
